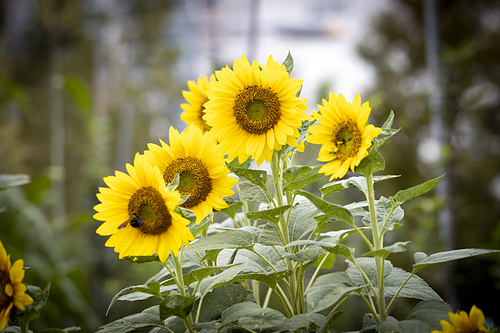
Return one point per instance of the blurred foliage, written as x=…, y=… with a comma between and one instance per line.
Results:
x=470, y=82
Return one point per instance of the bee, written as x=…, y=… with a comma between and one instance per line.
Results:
x=134, y=221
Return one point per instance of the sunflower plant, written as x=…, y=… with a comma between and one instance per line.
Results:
x=278, y=240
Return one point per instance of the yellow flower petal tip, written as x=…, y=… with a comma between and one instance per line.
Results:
x=461, y=322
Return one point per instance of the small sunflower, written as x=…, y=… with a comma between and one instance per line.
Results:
x=139, y=214
x=253, y=109
x=12, y=290
x=200, y=164
x=196, y=97
x=344, y=135
x=463, y=323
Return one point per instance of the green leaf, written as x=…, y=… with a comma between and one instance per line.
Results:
x=250, y=192
x=303, y=130
x=228, y=239
x=330, y=209
x=370, y=268
x=204, y=224
x=10, y=180
x=415, y=288
x=288, y=62
x=328, y=325
x=59, y=330
x=406, y=326
x=294, y=172
x=40, y=297
x=252, y=316
x=304, y=255
x=176, y=305
x=270, y=235
x=372, y=163
x=149, y=318
x=136, y=293
x=385, y=251
x=430, y=312
x=412, y=192
x=142, y=259
x=328, y=263
x=301, y=222
x=256, y=177
x=422, y=260
x=338, y=185
x=224, y=277
x=218, y=300
x=386, y=132
x=385, y=211
x=236, y=163
x=271, y=215
x=232, y=209
x=307, y=321
x=300, y=182
x=328, y=289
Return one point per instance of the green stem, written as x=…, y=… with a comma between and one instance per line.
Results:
x=313, y=277
x=24, y=326
x=180, y=284
x=268, y=298
x=338, y=305
x=378, y=244
x=256, y=291
x=397, y=293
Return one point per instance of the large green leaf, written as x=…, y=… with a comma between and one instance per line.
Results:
x=307, y=321
x=271, y=215
x=300, y=182
x=430, y=312
x=232, y=209
x=330, y=209
x=250, y=192
x=256, y=177
x=228, y=239
x=412, y=192
x=372, y=163
x=304, y=255
x=328, y=289
x=360, y=182
x=297, y=171
x=406, y=326
x=422, y=260
x=369, y=268
x=136, y=293
x=270, y=235
x=252, y=316
x=218, y=300
x=301, y=222
x=176, y=305
x=149, y=318
x=224, y=277
x=8, y=180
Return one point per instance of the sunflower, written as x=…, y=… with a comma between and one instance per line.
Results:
x=139, y=213
x=463, y=323
x=196, y=97
x=197, y=159
x=12, y=291
x=344, y=135
x=253, y=109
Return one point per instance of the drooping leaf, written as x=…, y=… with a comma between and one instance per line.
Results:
x=271, y=215
x=328, y=289
x=422, y=260
x=252, y=316
x=176, y=305
x=412, y=192
x=218, y=300
x=135, y=293
x=10, y=180
x=228, y=239
x=330, y=209
x=430, y=312
x=149, y=318
x=338, y=185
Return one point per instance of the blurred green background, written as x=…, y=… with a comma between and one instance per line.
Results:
x=84, y=84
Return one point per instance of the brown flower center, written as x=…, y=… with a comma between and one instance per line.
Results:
x=5, y=299
x=347, y=138
x=148, y=204
x=194, y=179
x=257, y=109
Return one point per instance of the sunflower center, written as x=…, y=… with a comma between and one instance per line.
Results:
x=347, y=138
x=194, y=179
x=148, y=204
x=257, y=109
x=5, y=299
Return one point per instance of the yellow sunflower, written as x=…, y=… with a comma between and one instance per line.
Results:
x=196, y=97
x=344, y=135
x=253, y=109
x=12, y=290
x=139, y=214
x=463, y=323
x=197, y=159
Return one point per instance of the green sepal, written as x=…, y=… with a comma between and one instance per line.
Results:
x=40, y=297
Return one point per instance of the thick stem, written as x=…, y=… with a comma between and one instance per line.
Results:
x=378, y=243
x=180, y=284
